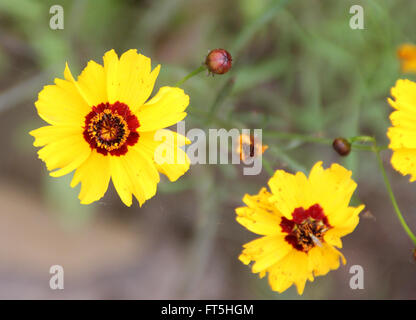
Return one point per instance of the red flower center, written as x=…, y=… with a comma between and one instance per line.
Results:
x=110, y=128
x=307, y=228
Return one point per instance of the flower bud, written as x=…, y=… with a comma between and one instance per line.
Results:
x=218, y=61
x=341, y=146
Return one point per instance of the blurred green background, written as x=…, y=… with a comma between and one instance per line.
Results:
x=298, y=68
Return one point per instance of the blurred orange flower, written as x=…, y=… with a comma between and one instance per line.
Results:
x=407, y=57
x=249, y=146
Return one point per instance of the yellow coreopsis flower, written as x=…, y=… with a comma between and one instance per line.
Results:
x=301, y=221
x=101, y=126
x=402, y=133
x=407, y=57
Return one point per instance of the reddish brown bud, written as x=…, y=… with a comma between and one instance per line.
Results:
x=414, y=254
x=218, y=61
x=341, y=146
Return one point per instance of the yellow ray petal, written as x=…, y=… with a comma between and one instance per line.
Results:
x=49, y=134
x=92, y=83
x=134, y=173
x=331, y=188
x=130, y=79
x=62, y=104
x=166, y=108
x=258, y=222
x=333, y=236
x=292, y=269
x=174, y=162
x=259, y=216
x=345, y=219
x=288, y=191
x=404, y=93
x=404, y=161
x=272, y=254
x=404, y=119
x=121, y=180
x=258, y=248
x=65, y=154
x=94, y=175
x=323, y=259
x=401, y=138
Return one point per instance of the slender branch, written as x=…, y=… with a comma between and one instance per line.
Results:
x=267, y=165
x=297, y=136
x=391, y=195
x=288, y=159
x=190, y=75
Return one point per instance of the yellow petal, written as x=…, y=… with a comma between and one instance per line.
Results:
x=261, y=247
x=332, y=189
x=333, y=237
x=65, y=154
x=404, y=93
x=260, y=216
x=404, y=119
x=404, y=161
x=165, y=109
x=345, y=219
x=134, y=173
x=62, y=104
x=92, y=83
x=121, y=180
x=323, y=259
x=292, y=269
x=49, y=134
x=401, y=137
x=164, y=147
x=130, y=79
x=94, y=175
x=288, y=191
x=244, y=258
x=258, y=222
x=272, y=254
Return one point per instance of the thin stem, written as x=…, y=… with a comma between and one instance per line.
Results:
x=292, y=163
x=367, y=148
x=267, y=165
x=362, y=148
x=391, y=195
x=190, y=75
x=362, y=139
x=297, y=136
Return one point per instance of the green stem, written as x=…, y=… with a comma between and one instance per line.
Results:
x=391, y=195
x=361, y=147
x=267, y=165
x=361, y=139
x=297, y=136
x=190, y=75
x=283, y=156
